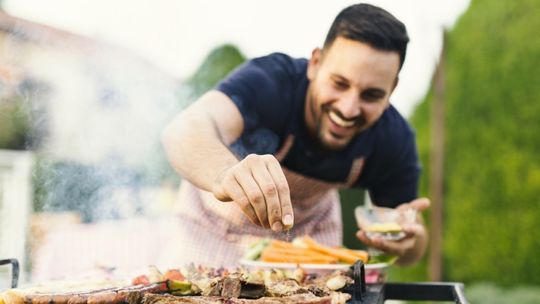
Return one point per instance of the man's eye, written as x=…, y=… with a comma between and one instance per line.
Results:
x=372, y=96
x=340, y=85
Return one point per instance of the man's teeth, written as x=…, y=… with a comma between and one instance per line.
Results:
x=339, y=121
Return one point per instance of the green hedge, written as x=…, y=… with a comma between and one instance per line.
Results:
x=487, y=293
x=15, y=124
x=217, y=64
x=492, y=168
x=23, y=109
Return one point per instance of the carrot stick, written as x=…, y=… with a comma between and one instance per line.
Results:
x=285, y=258
x=294, y=250
x=342, y=256
x=360, y=254
x=302, y=253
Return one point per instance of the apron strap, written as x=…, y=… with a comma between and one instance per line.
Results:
x=356, y=170
x=287, y=145
x=354, y=173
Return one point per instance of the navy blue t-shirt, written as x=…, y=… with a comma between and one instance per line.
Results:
x=270, y=94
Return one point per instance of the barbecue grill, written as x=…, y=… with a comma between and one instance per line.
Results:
x=361, y=292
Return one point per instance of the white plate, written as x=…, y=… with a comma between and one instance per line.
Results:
x=314, y=267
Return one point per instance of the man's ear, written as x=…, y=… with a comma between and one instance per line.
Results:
x=314, y=63
x=395, y=84
x=393, y=88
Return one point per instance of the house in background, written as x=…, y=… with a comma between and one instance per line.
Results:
x=100, y=101
x=88, y=103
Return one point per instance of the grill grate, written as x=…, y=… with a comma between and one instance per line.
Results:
x=361, y=292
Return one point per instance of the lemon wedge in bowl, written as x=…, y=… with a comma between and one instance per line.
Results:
x=387, y=231
x=384, y=228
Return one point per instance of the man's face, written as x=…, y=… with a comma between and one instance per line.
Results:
x=350, y=86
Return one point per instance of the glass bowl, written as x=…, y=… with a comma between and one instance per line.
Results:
x=385, y=223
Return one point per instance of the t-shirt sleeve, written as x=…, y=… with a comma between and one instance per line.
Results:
x=259, y=88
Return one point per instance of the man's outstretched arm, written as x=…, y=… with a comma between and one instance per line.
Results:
x=196, y=143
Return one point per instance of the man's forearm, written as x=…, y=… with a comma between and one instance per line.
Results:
x=195, y=149
x=197, y=142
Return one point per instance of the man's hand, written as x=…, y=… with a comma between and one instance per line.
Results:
x=258, y=186
x=412, y=247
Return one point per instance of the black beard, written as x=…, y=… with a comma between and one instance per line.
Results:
x=315, y=136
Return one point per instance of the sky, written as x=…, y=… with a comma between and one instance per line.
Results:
x=176, y=35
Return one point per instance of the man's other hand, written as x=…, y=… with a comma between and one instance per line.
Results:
x=410, y=248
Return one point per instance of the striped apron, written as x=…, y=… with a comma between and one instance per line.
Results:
x=215, y=233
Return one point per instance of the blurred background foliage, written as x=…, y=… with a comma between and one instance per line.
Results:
x=21, y=124
x=492, y=142
x=14, y=124
x=492, y=171
x=222, y=60
x=488, y=293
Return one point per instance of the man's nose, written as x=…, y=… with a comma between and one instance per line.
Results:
x=349, y=106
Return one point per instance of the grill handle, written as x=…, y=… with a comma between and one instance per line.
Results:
x=14, y=270
x=440, y=291
x=358, y=289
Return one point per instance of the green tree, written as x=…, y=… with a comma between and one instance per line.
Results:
x=22, y=123
x=492, y=169
x=215, y=67
x=14, y=124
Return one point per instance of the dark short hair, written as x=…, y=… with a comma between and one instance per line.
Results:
x=372, y=25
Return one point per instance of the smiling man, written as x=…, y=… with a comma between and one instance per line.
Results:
x=342, y=102
x=268, y=148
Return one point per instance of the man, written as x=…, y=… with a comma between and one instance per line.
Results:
x=268, y=148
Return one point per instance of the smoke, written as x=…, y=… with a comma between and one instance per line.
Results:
x=93, y=114
x=105, y=143
x=90, y=190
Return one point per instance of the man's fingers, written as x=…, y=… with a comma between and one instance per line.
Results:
x=270, y=193
x=220, y=186
x=391, y=247
x=239, y=197
x=419, y=204
x=413, y=229
x=376, y=243
x=254, y=195
x=284, y=195
x=258, y=185
x=361, y=235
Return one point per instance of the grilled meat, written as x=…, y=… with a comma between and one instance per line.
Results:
x=205, y=285
x=231, y=287
x=298, y=299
